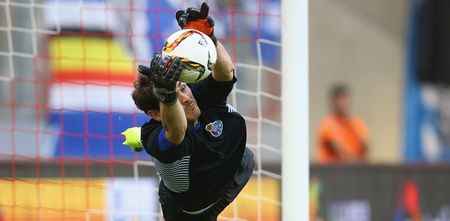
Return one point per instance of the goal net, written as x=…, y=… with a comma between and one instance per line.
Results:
x=66, y=73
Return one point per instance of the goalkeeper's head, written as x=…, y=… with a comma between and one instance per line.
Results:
x=145, y=99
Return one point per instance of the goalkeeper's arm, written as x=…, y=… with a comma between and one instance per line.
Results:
x=174, y=122
x=193, y=18
x=165, y=72
x=223, y=71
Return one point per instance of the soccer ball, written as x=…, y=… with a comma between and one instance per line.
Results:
x=197, y=52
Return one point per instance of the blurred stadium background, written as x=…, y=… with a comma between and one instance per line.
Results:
x=66, y=69
x=394, y=57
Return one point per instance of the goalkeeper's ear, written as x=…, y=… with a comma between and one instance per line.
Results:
x=154, y=114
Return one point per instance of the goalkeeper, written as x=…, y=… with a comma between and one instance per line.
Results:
x=196, y=140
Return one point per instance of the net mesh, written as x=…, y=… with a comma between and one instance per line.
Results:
x=66, y=73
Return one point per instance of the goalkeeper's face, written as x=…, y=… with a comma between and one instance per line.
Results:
x=188, y=102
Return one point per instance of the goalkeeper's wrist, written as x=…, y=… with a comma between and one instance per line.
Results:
x=167, y=99
x=202, y=26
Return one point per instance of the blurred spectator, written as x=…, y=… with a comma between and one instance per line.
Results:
x=342, y=137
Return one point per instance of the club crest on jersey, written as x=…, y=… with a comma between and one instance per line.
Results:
x=215, y=128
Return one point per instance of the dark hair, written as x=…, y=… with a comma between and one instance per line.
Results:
x=338, y=90
x=143, y=95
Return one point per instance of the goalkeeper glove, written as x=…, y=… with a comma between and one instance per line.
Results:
x=192, y=18
x=133, y=138
x=164, y=74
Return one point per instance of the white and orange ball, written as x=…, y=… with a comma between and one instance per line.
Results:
x=197, y=52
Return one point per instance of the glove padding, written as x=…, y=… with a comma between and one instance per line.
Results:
x=192, y=18
x=164, y=74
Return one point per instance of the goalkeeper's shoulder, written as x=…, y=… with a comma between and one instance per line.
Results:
x=137, y=137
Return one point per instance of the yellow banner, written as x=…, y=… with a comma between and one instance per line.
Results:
x=97, y=199
x=51, y=199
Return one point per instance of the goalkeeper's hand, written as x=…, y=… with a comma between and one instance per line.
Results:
x=133, y=138
x=164, y=72
x=192, y=18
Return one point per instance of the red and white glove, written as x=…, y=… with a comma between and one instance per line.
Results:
x=192, y=18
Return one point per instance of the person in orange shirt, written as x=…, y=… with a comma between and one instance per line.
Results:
x=342, y=137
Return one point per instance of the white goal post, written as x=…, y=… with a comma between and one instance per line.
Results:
x=295, y=98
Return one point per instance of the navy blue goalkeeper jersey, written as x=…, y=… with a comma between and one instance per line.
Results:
x=199, y=170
